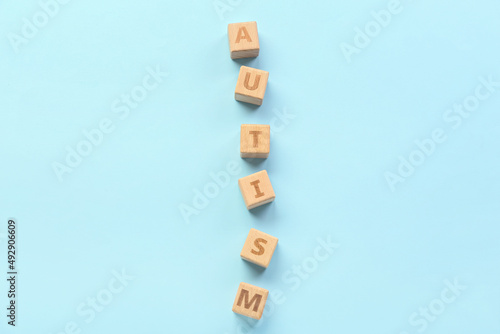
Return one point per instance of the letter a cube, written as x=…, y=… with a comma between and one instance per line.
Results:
x=256, y=189
x=250, y=301
x=251, y=85
x=243, y=40
x=259, y=248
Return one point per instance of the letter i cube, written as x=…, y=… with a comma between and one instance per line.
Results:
x=256, y=189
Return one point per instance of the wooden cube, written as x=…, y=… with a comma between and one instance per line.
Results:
x=250, y=300
x=256, y=189
x=255, y=141
x=243, y=40
x=251, y=85
x=259, y=248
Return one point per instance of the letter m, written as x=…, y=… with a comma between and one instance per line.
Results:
x=248, y=304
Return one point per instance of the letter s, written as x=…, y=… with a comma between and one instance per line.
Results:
x=259, y=246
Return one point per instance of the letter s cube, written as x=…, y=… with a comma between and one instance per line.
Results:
x=259, y=248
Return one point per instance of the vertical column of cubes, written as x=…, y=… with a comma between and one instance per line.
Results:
x=255, y=140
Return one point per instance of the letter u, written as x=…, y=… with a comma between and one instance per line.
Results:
x=255, y=83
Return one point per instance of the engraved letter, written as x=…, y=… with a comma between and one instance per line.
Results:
x=256, y=299
x=255, y=83
x=255, y=137
x=243, y=34
x=261, y=249
x=257, y=188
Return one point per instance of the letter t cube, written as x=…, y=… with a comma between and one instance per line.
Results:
x=255, y=140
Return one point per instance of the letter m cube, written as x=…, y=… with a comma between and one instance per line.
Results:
x=250, y=301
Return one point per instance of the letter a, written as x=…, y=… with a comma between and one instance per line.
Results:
x=243, y=34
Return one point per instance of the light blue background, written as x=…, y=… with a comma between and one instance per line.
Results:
x=352, y=121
